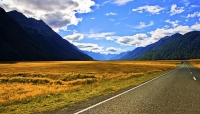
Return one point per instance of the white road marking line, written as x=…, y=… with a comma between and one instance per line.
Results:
x=122, y=93
x=190, y=72
x=194, y=78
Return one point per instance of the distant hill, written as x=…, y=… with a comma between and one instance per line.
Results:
x=119, y=56
x=183, y=47
x=95, y=56
x=99, y=56
x=141, y=51
x=27, y=39
x=109, y=56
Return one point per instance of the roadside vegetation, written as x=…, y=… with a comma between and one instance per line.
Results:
x=28, y=87
x=195, y=62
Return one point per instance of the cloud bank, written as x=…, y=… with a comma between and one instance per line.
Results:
x=58, y=14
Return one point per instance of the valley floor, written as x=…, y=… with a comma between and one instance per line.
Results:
x=27, y=87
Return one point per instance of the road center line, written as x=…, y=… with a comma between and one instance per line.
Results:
x=194, y=78
x=122, y=93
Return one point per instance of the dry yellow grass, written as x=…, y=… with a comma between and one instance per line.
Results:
x=195, y=63
x=24, y=80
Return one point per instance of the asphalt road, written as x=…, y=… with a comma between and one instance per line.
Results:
x=177, y=92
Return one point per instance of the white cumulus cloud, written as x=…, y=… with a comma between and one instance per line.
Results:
x=196, y=26
x=194, y=6
x=114, y=50
x=99, y=35
x=74, y=36
x=121, y=2
x=112, y=20
x=186, y=2
x=92, y=18
x=135, y=40
x=89, y=47
x=142, y=39
x=151, y=9
x=176, y=10
x=162, y=32
x=144, y=25
x=195, y=14
x=173, y=23
x=56, y=13
x=110, y=13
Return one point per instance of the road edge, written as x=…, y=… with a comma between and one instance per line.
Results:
x=120, y=94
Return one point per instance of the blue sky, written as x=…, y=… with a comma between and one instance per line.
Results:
x=112, y=26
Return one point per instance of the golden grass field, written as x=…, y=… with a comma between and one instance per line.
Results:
x=27, y=87
x=195, y=63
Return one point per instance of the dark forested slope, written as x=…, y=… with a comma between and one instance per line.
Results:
x=184, y=47
x=140, y=51
x=23, y=39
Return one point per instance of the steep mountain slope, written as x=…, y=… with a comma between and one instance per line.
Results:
x=140, y=51
x=132, y=54
x=184, y=47
x=16, y=43
x=24, y=38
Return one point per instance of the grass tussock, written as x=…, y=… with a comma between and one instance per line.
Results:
x=27, y=87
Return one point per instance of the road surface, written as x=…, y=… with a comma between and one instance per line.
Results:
x=177, y=92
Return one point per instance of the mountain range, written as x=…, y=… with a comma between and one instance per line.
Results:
x=28, y=39
x=99, y=56
x=175, y=47
x=184, y=47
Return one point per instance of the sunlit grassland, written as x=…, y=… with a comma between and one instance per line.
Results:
x=195, y=62
x=27, y=87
